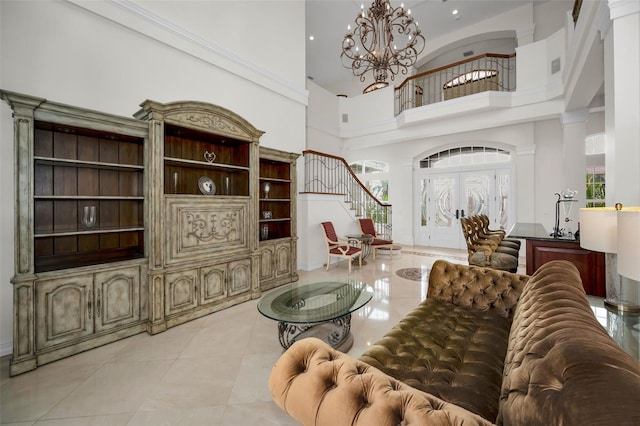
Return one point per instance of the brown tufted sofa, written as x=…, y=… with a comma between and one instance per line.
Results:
x=485, y=347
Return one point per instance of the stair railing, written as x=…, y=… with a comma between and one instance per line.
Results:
x=330, y=174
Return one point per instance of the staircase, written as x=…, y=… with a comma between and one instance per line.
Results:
x=329, y=174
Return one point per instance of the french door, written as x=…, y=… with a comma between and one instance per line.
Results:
x=445, y=198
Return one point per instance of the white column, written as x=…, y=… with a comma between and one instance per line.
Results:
x=623, y=127
x=625, y=15
x=574, y=162
x=525, y=184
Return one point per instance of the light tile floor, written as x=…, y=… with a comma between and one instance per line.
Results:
x=211, y=371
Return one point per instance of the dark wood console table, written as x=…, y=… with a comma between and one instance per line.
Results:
x=542, y=248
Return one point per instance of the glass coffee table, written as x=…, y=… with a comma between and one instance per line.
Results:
x=317, y=309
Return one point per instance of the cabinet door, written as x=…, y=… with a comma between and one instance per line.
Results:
x=267, y=271
x=283, y=259
x=181, y=291
x=64, y=310
x=117, y=298
x=239, y=276
x=212, y=283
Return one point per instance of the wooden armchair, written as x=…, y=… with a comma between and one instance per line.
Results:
x=487, y=252
x=339, y=248
x=367, y=227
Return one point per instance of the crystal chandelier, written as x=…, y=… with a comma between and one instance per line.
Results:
x=385, y=41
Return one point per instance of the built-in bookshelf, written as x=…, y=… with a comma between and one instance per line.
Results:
x=88, y=197
x=192, y=157
x=277, y=218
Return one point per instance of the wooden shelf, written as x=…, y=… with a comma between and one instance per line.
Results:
x=268, y=179
x=48, y=161
x=171, y=161
x=88, y=232
x=87, y=197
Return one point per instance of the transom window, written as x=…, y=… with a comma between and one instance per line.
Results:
x=465, y=156
x=369, y=166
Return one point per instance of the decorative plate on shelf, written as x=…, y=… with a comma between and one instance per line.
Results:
x=206, y=185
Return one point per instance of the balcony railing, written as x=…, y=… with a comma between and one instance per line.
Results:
x=490, y=71
x=329, y=174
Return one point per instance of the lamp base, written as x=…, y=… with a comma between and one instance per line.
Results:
x=621, y=307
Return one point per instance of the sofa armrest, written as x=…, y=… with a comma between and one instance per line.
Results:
x=318, y=385
x=476, y=287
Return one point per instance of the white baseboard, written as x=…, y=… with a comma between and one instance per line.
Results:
x=6, y=348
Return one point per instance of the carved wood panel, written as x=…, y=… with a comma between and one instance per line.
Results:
x=283, y=259
x=197, y=229
x=212, y=283
x=267, y=270
x=117, y=296
x=181, y=290
x=65, y=310
x=239, y=276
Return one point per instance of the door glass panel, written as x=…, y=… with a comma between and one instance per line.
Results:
x=445, y=193
x=503, y=195
x=424, y=203
x=477, y=192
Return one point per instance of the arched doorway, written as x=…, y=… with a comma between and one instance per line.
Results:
x=457, y=182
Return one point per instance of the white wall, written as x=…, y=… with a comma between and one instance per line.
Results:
x=549, y=16
x=323, y=118
x=73, y=52
x=315, y=209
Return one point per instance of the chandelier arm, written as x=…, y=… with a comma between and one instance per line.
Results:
x=371, y=47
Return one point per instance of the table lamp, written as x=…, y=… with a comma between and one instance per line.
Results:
x=602, y=230
x=629, y=243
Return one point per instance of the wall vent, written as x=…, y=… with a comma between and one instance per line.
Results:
x=345, y=118
x=467, y=53
x=555, y=65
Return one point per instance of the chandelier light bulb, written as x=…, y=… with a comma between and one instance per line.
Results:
x=408, y=11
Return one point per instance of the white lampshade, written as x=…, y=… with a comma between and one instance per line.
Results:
x=598, y=229
x=629, y=243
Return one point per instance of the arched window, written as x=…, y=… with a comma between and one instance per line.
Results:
x=465, y=156
x=470, y=77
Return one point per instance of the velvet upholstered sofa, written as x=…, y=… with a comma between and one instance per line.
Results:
x=485, y=347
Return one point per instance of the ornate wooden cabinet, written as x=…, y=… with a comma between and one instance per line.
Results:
x=203, y=248
x=127, y=225
x=277, y=218
x=80, y=272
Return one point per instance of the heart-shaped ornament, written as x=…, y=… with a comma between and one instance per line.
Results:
x=209, y=156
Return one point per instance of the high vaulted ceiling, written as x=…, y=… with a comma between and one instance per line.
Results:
x=327, y=20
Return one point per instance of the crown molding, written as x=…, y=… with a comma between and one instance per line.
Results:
x=621, y=8
x=136, y=18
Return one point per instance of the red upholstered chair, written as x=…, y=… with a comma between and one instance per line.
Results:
x=339, y=248
x=367, y=227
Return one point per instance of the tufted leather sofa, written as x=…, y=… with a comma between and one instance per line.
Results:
x=485, y=347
